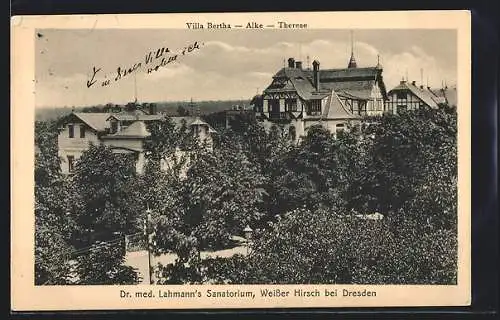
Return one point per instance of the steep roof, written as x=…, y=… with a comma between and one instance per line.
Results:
x=355, y=83
x=294, y=79
x=136, y=130
x=446, y=95
x=134, y=117
x=335, y=109
x=347, y=74
x=96, y=121
x=423, y=94
x=451, y=96
x=190, y=120
x=352, y=89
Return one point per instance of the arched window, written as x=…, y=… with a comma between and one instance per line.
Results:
x=292, y=133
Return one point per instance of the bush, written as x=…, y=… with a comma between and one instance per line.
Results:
x=318, y=247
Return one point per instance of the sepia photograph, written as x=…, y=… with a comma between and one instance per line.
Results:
x=220, y=153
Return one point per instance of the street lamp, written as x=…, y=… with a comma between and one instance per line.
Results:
x=147, y=233
x=248, y=235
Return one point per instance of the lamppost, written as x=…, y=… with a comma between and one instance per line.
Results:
x=248, y=235
x=147, y=233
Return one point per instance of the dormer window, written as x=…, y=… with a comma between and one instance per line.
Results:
x=114, y=126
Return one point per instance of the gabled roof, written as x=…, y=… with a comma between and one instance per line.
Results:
x=96, y=121
x=190, y=121
x=423, y=94
x=136, y=130
x=451, y=96
x=352, y=89
x=446, y=95
x=355, y=83
x=335, y=109
x=345, y=74
x=293, y=79
x=134, y=117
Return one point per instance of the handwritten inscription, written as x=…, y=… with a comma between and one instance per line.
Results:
x=153, y=61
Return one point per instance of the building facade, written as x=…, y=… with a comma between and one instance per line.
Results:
x=410, y=96
x=299, y=98
x=123, y=132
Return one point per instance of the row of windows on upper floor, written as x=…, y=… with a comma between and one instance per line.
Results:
x=313, y=107
x=71, y=131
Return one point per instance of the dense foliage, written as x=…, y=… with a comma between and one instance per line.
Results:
x=324, y=247
x=309, y=203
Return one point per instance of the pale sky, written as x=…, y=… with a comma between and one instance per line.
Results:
x=229, y=64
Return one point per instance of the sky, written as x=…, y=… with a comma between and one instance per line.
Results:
x=227, y=65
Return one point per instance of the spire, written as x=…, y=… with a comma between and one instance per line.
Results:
x=352, y=61
x=135, y=89
x=421, y=77
x=379, y=66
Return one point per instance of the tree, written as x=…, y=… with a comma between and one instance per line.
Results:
x=223, y=192
x=100, y=182
x=181, y=111
x=317, y=172
x=417, y=149
x=104, y=212
x=103, y=264
x=220, y=195
x=53, y=227
x=319, y=247
x=47, y=162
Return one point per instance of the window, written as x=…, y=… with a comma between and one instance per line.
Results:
x=291, y=104
x=274, y=106
x=114, y=126
x=71, y=130
x=196, y=130
x=355, y=106
x=82, y=131
x=315, y=107
x=401, y=95
x=339, y=127
x=292, y=133
x=362, y=107
x=71, y=163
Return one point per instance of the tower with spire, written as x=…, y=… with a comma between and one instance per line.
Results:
x=352, y=61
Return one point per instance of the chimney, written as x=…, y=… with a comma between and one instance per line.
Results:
x=152, y=108
x=413, y=82
x=316, y=74
x=298, y=65
x=291, y=62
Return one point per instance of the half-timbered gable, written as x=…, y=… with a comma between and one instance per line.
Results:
x=409, y=96
x=297, y=98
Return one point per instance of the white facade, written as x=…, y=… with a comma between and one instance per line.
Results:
x=71, y=147
x=84, y=129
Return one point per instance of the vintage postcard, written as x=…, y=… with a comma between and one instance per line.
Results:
x=243, y=160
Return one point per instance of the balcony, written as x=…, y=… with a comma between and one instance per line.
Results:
x=279, y=117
